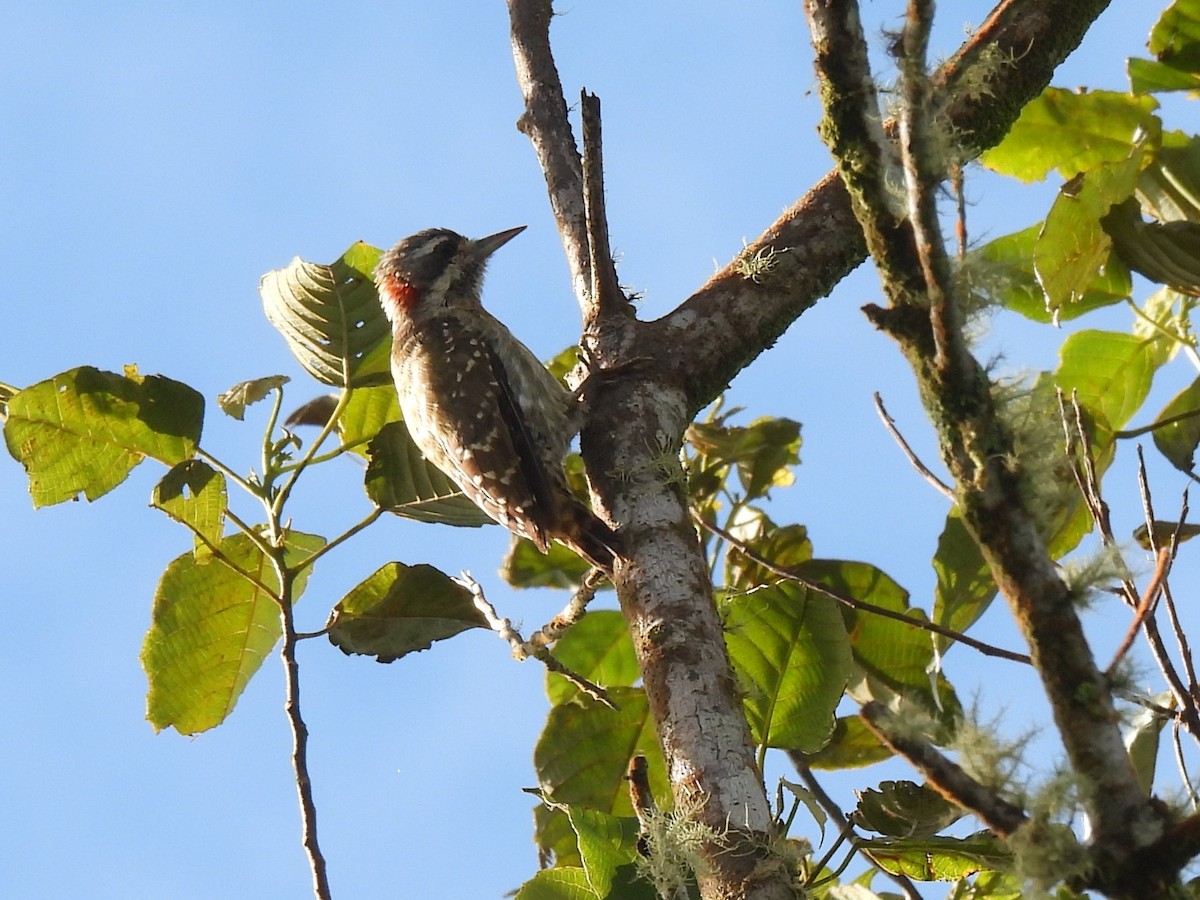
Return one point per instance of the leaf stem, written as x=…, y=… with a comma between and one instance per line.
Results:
x=284, y=492
x=344, y=536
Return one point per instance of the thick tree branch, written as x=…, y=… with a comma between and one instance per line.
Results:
x=979, y=93
x=630, y=443
x=977, y=446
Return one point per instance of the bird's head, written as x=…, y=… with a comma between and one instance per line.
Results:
x=433, y=269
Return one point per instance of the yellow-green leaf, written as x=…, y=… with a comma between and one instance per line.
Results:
x=211, y=627
x=83, y=431
x=331, y=317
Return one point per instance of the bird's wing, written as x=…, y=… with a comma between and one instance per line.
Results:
x=483, y=442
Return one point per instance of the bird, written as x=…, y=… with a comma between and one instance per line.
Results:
x=478, y=403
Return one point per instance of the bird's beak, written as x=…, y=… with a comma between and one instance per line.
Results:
x=486, y=246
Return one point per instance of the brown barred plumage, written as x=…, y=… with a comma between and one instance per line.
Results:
x=477, y=401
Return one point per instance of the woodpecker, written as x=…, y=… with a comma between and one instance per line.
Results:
x=477, y=402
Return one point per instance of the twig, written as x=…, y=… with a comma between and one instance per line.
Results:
x=960, y=207
x=854, y=603
x=923, y=173
x=571, y=613
x=607, y=297
x=522, y=649
x=827, y=803
x=890, y=424
x=1083, y=467
x=1181, y=763
x=545, y=123
x=946, y=777
x=1189, y=715
x=1143, y=609
x=291, y=668
x=365, y=522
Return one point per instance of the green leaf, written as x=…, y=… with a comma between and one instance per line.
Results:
x=400, y=610
x=193, y=493
x=786, y=546
x=905, y=809
x=554, y=836
x=211, y=629
x=790, y=650
x=852, y=745
x=1178, y=440
x=331, y=317
x=900, y=653
x=1141, y=740
x=1166, y=253
x=399, y=480
x=606, y=843
x=1169, y=188
x=598, y=648
x=83, y=431
x=965, y=587
x=762, y=452
x=939, y=858
x=1151, y=77
x=1007, y=263
x=1073, y=245
x=235, y=400
x=559, y=883
x=366, y=412
x=584, y=751
x=525, y=566
x=1110, y=371
x=1175, y=38
x=561, y=364
x=1073, y=132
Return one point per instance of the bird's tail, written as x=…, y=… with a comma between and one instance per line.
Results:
x=581, y=530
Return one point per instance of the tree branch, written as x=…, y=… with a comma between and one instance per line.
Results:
x=545, y=123
x=977, y=445
x=946, y=777
x=978, y=93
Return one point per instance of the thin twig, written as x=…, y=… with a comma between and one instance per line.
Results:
x=522, y=649
x=827, y=803
x=960, y=206
x=861, y=605
x=1144, y=607
x=365, y=522
x=571, y=613
x=890, y=424
x=291, y=667
x=945, y=776
x=1189, y=715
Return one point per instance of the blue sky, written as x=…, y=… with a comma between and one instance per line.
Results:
x=157, y=159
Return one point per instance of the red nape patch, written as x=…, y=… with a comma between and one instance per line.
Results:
x=399, y=292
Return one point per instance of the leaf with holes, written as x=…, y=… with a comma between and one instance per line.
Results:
x=84, y=431
x=331, y=317
x=193, y=493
